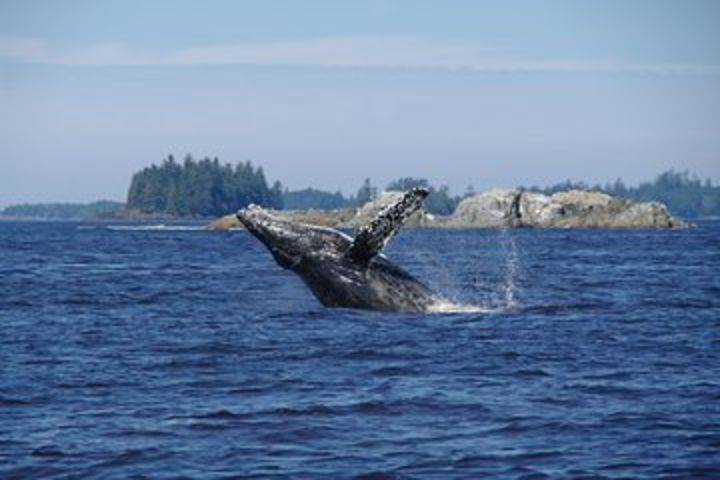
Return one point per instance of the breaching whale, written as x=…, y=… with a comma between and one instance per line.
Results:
x=343, y=271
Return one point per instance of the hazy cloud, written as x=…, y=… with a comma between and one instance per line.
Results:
x=359, y=52
x=23, y=49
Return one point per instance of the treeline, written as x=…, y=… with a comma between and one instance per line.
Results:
x=210, y=188
x=62, y=211
x=439, y=201
x=684, y=194
x=204, y=188
x=308, y=198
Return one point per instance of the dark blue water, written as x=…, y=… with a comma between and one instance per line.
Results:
x=178, y=353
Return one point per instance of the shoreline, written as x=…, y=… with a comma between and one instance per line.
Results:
x=492, y=209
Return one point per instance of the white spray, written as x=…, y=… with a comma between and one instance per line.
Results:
x=511, y=268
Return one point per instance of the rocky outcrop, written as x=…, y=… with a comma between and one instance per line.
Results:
x=325, y=218
x=226, y=222
x=500, y=208
x=349, y=218
x=573, y=209
x=485, y=210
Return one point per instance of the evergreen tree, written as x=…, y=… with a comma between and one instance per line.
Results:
x=684, y=194
x=312, y=198
x=365, y=193
x=203, y=188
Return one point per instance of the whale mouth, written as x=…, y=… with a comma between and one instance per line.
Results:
x=261, y=222
x=252, y=216
x=279, y=236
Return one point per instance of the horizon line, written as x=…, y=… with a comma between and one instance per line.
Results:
x=366, y=52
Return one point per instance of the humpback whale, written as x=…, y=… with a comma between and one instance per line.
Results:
x=342, y=271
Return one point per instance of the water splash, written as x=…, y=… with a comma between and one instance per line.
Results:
x=511, y=268
x=448, y=306
x=487, y=282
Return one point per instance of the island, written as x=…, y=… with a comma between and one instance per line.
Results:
x=501, y=208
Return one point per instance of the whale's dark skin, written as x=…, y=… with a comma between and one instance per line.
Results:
x=342, y=271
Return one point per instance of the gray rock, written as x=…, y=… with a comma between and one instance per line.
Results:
x=502, y=208
x=323, y=218
x=573, y=209
x=487, y=209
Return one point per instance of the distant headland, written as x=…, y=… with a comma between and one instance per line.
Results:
x=207, y=188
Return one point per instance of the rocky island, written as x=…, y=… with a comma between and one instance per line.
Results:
x=572, y=209
x=502, y=209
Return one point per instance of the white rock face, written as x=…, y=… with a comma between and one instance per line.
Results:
x=648, y=215
x=573, y=209
x=538, y=210
x=582, y=199
x=487, y=209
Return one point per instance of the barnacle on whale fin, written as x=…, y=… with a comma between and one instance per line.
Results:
x=373, y=236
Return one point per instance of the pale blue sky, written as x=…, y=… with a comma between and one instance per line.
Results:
x=487, y=93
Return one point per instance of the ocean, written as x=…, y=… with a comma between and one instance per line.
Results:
x=168, y=351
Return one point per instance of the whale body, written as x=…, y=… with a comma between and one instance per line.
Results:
x=342, y=271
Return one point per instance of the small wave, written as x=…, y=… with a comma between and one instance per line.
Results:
x=612, y=390
x=80, y=300
x=561, y=307
x=322, y=410
x=13, y=402
x=221, y=414
x=207, y=426
x=129, y=456
x=393, y=371
x=471, y=461
x=699, y=471
x=47, y=452
x=532, y=372
x=375, y=475
x=314, y=410
x=17, y=304
x=251, y=390
x=370, y=407
x=159, y=227
x=143, y=433
x=368, y=354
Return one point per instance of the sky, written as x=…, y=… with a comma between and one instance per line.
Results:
x=326, y=93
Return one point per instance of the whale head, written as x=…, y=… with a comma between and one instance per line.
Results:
x=292, y=244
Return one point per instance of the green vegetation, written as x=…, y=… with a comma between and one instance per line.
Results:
x=439, y=201
x=684, y=194
x=311, y=198
x=62, y=211
x=200, y=188
x=209, y=188
x=365, y=193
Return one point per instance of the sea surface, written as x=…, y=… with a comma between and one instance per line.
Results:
x=147, y=351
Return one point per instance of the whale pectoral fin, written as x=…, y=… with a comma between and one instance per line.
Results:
x=373, y=236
